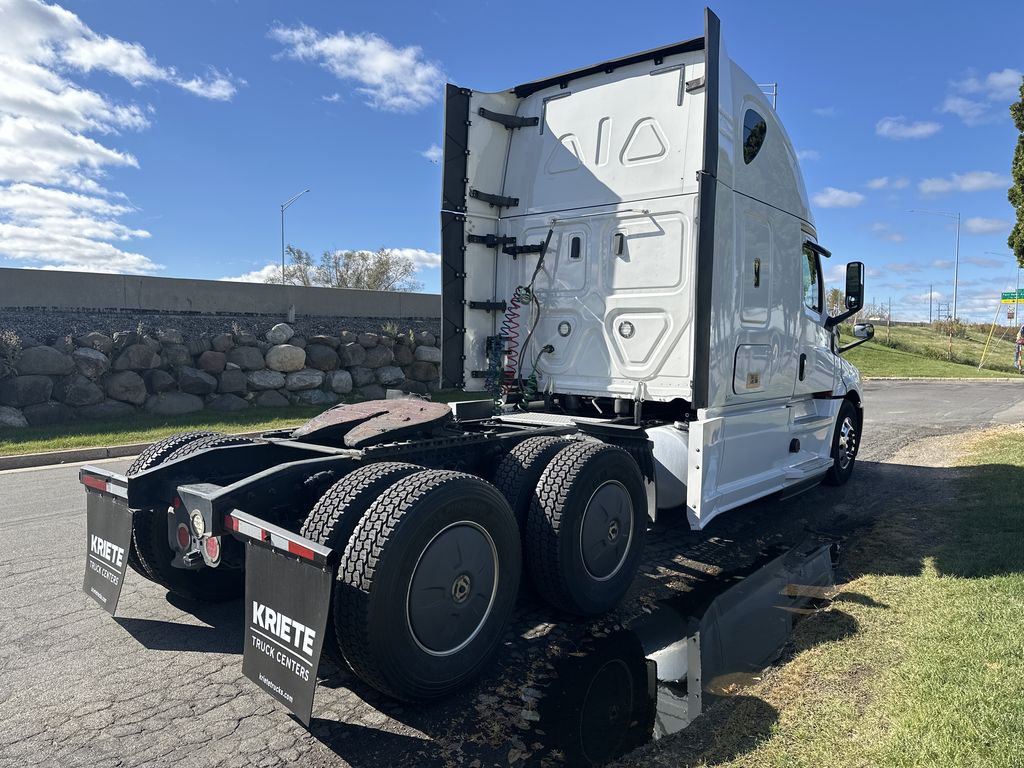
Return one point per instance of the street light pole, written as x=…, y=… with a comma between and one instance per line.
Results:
x=284, y=206
x=956, y=259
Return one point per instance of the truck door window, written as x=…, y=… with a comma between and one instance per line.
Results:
x=812, y=280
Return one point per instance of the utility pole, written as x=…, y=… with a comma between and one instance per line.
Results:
x=284, y=207
x=930, y=289
x=888, y=321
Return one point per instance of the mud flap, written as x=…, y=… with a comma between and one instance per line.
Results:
x=286, y=604
x=108, y=536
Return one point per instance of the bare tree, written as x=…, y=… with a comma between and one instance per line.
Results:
x=381, y=270
x=834, y=301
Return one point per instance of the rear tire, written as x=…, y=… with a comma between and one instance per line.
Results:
x=586, y=528
x=336, y=514
x=428, y=584
x=845, y=444
x=150, y=537
x=154, y=455
x=520, y=469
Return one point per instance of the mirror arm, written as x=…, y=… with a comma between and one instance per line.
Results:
x=848, y=347
x=832, y=322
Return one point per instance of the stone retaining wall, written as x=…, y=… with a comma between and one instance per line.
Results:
x=165, y=372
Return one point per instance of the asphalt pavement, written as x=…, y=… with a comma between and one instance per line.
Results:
x=161, y=684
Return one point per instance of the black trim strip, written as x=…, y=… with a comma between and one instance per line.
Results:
x=453, y=234
x=657, y=55
x=706, y=212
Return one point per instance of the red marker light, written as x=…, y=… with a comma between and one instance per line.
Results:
x=184, y=537
x=213, y=548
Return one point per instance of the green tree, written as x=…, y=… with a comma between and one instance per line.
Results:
x=1016, y=193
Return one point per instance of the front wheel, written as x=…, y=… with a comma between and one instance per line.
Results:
x=845, y=444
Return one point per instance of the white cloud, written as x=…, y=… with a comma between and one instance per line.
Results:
x=885, y=232
x=898, y=128
x=903, y=268
x=972, y=181
x=390, y=78
x=884, y=182
x=54, y=210
x=824, y=111
x=942, y=264
x=978, y=225
x=982, y=99
x=808, y=154
x=830, y=197
x=423, y=259
x=333, y=98
x=433, y=153
x=986, y=262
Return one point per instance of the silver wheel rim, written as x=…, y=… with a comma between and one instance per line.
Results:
x=847, y=443
x=606, y=530
x=452, y=588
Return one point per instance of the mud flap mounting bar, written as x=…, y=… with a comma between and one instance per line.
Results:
x=509, y=121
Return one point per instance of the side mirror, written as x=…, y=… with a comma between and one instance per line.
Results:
x=863, y=331
x=855, y=286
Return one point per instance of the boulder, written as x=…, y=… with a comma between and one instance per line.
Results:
x=298, y=341
x=322, y=357
x=378, y=356
x=232, y=381
x=196, y=382
x=315, y=397
x=198, y=345
x=347, y=337
x=339, y=382
x=328, y=341
x=169, y=336
x=367, y=340
x=421, y=371
x=124, y=339
x=361, y=376
x=150, y=342
x=425, y=338
x=90, y=362
x=415, y=387
x=108, y=409
x=137, y=357
x=373, y=392
x=97, y=341
x=30, y=341
x=227, y=402
x=50, y=412
x=389, y=375
x=427, y=354
x=404, y=339
x=270, y=399
x=246, y=339
x=264, y=347
x=387, y=341
x=212, y=362
x=403, y=354
x=351, y=354
x=286, y=358
x=19, y=391
x=307, y=378
x=126, y=386
x=44, y=361
x=280, y=334
x=222, y=342
x=159, y=381
x=77, y=390
x=176, y=355
x=433, y=387
x=246, y=358
x=173, y=404
x=265, y=379
x=12, y=417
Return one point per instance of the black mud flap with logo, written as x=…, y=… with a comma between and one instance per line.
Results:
x=108, y=535
x=287, y=595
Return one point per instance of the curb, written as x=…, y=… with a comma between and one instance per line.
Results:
x=940, y=378
x=78, y=455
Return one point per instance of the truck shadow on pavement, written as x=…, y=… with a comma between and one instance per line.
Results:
x=223, y=632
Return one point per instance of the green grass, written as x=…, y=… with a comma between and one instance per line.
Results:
x=144, y=428
x=932, y=673
x=923, y=351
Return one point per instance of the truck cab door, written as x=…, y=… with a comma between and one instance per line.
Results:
x=816, y=362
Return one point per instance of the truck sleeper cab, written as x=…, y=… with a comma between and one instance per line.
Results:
x=631, y=270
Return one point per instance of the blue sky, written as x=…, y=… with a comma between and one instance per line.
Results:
x=161, y=137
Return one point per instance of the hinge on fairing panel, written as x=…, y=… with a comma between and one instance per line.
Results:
x=695, y=85
x=489, y=306
x=499, y=200
x=491, y=241
x=515, y=250
x=509, y=121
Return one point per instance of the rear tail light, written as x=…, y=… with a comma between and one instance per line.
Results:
x=184, y=537
x=213, y=548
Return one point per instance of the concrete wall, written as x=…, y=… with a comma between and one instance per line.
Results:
x=37, y=289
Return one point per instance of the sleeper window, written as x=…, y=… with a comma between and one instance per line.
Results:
x=754, y=130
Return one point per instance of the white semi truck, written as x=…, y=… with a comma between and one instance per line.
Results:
x=631, y=268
